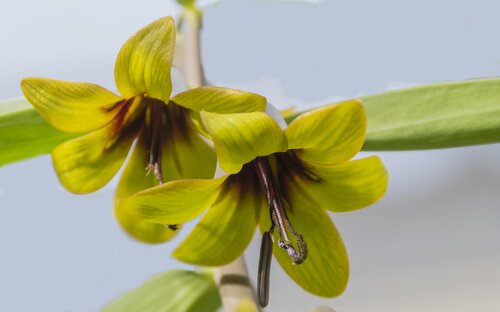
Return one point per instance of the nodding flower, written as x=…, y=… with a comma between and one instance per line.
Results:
x=168, y=142
x=281, y=178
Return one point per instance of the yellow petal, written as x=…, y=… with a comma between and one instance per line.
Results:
x=86, y=164
x=70, y=106
x=220, y=100
x=135, y=179
x=325, y=271
x=227, y=228
x=239, y=138
x=185, y=154
x=174, y=202
x=146, y=232
x=329, y=135
x=143, y=64
x=349, y=186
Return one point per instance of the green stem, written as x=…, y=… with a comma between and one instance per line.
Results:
x=234, y=287
x=191, y=66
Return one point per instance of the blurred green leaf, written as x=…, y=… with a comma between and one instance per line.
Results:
x=172, y=291
x=24, y=133
x=433, y=116
x=7, y=106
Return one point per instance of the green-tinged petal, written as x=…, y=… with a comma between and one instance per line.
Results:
x=227, y=228
x=174, y=202
x=185, y=154
x=329, y=135
x=349, y=186
x=239, y=138
x=71, y=106
x=146, y=232
x=143, y=64
x=135, y=179
x=325, y=272
x=220, y=100
x=86, y=164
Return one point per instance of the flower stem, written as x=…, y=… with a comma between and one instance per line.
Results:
x=234, y=287
x=191, y=66
x=232, y=279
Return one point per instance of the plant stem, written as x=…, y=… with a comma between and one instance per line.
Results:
x=232, y=279
x=234, y=287
x=191, y=66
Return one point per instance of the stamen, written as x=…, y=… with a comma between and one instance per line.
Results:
x=155, y=149
x=266, y=252
x=278, y=215
x=156, y=138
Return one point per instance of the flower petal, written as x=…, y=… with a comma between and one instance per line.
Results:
x=174, y=202
x=349, y=186
x=185, y=154
x=146, y=232
x=227, y=228
x=329, y=135
x=239, y=138
x=220, y=100
x=86, y=164
x=143, y=64
x=70, y=106
x=135, y=179
x=325, y=271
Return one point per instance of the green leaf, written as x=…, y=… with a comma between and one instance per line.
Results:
x=172, y=291
x=433, y=116
x=8, y=106
x=24, y=133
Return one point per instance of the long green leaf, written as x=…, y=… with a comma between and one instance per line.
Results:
x=172, y=291
x=433, y=116
x=24, y=133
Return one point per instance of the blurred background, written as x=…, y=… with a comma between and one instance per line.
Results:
x=432, y=244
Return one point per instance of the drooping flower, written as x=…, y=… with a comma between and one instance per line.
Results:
x=168, y=145
x=282, y=180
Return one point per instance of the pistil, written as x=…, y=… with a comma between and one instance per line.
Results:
x=278, y=214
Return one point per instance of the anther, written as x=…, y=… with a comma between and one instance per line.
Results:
x=173, y=227
x=266, y=252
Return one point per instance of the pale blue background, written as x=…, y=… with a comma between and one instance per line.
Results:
x=432, y=244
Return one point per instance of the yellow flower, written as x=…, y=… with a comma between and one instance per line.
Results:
x=168, y=144
x=282, y=180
